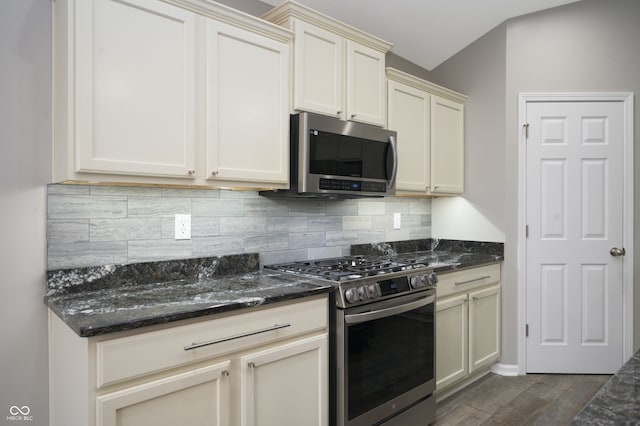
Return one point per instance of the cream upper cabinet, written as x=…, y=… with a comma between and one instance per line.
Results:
x=133, y=108
x=169, y=92
x=338, y=70
x=429, y=120
x=467, y=325
x=410, y=116
x=366, y=84
x=319, y=70
x=247, y=120
x=447, y=146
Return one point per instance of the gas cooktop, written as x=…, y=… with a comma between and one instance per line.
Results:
x=351, y=267
x=365, y=279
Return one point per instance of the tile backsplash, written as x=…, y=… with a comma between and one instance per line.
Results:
x=96, y=225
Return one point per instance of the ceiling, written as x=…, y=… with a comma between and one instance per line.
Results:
x=426, y=32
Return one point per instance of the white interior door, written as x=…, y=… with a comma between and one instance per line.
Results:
x=574, y=214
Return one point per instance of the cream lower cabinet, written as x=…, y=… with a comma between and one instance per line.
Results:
x=196, y=397
x=338, y=70
x=286, y=385
x=267, y=366
x=169, y=92
x=429, y=120
x=467, y=326
x=452, y=340
x=484, y=327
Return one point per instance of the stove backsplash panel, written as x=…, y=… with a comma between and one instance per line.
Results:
x=92, y=225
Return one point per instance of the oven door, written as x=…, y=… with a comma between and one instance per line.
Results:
x=385, y=358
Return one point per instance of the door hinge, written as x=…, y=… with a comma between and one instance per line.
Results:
x=526, y=331
x=526, y=231
x=526, y=130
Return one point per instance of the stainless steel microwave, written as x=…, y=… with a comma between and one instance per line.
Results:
x=331, y=158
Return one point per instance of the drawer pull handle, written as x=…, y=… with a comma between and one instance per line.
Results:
x=225, y=373
x=252, y=365
x=473, y=280
x=239, y=336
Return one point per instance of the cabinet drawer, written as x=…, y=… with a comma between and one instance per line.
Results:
x=134, y=356
x=467, y=279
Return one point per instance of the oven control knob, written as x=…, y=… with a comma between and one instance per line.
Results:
x=351, y=295
x=362, y=293
x=373, y=291
x=418, y=281
x=433, y=279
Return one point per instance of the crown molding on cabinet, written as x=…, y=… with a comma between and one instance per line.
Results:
x=291, y=9
x=229, y=15
x=418, y=83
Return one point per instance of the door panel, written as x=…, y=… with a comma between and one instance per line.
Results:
x=574, y=215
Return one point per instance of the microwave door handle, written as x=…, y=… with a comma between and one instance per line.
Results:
x=387, y=312
x=394, y=152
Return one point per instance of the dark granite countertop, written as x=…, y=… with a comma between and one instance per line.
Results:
x=102, y=300
x=106, y=299
x=442, y=255
x=618, y=402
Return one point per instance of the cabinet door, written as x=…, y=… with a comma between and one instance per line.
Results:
x=286, y=385
x=135, y=88
x=410, y=116
x=451, y=340
x=484, y=327
x=366, y=84
x=247, y=112
x=319, y=70
x=447, y=146
x=197, y=397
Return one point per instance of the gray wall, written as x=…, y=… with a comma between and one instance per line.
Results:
x=587, y=46
x=25, y=138
x=97, y=225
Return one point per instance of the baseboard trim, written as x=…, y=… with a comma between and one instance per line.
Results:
x=505, y=369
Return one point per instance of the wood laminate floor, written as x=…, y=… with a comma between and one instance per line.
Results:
x=534, y=399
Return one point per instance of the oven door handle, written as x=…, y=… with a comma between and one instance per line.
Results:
x=387, y=312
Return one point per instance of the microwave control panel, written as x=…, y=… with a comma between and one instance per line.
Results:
x=352, y=185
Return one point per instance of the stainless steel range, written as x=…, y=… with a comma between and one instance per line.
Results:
x=384, y=337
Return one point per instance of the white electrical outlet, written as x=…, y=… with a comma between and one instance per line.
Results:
x=396, y=220
x=183, y=227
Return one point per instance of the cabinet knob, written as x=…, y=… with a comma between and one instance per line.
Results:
x=252, y=365
x=353, y=116
x=225, y=373
x=214, y=173
x=338, y=112
x=192, y=172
